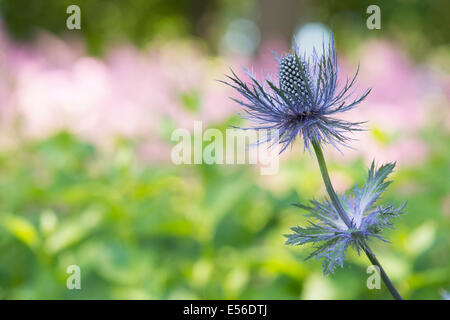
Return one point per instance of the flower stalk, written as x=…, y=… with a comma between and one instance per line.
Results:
x=326, y=179
x=337, y=204
x=373, y=259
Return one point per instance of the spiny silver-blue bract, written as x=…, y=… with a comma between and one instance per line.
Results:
x=303, y=103
x=331, y=237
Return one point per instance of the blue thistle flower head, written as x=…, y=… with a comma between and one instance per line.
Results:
x=305, y=101
x=331, y=237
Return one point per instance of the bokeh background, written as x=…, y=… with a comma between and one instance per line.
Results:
x=86, y=118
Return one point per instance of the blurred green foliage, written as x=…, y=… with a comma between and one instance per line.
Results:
x=105, y=22
x=156, y=231
x=417, y=25
x=165, y=232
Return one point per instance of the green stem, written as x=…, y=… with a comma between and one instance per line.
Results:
x=343, y=215
x=373, y=259
x=326, y=179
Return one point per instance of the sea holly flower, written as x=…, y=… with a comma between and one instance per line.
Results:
x=304, y=102
x=331, y=236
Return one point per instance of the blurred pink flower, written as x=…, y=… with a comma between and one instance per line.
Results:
x=397, y=108
x=52, y=84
